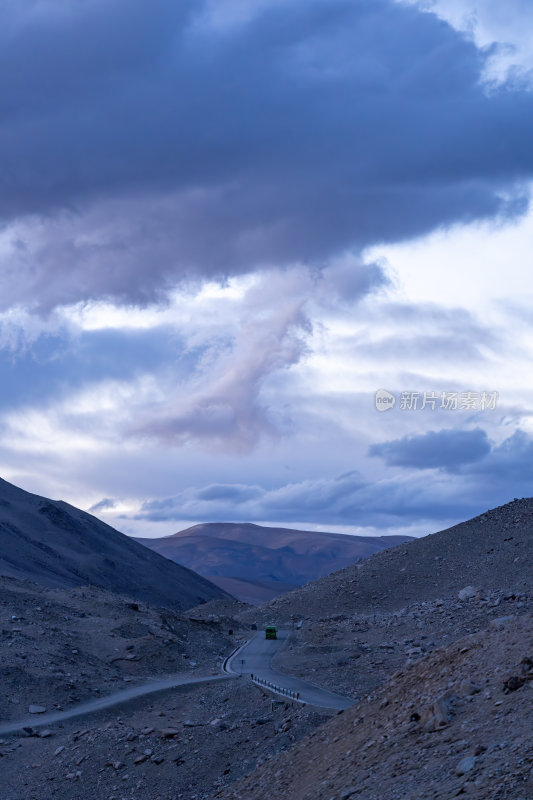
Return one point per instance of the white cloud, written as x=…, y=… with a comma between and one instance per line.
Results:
x=508, y=24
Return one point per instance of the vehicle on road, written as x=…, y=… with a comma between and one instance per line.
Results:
x=271, y=632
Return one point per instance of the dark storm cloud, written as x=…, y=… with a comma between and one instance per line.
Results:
x=447, y=449
x=468, y=452
x=147, y=146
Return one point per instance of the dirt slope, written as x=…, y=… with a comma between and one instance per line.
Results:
x=66, y=646
x=459, y=722
x=55, y=544
x=493, y=551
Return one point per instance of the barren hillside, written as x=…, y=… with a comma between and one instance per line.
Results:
x=493, y=551
x=264, y=561
x=456, y=723
x=55, y=544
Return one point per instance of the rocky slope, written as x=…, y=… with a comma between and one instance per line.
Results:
x=456, y=723
x=264, y=562
x=434, y=641
x=440, y=674
x=55, y=544
x=493, y=551
x=353, y=628
x=61, y=647
x=355, y=654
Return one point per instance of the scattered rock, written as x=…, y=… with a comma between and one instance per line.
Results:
x=33, y=709
x=513, y=683
x=468, y=592
x=526, y=665
x=169, y=733
x=499, y=622
x=465, y=765
x=349, y=791
x=468, y=687
x=437, y=715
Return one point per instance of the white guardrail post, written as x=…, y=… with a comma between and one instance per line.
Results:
x=278, y=689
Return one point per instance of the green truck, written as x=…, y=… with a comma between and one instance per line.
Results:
x=270, y=632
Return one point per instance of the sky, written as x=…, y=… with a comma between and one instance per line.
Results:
x=267, y=261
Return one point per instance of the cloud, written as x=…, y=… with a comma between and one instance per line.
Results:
x=106, y=504
x=446, y=449
x=308, y=499
x=347, y=500
x=504, y=30
x=147, y=145
x=237, y=494
x=213, y=496
x=486, y=478
x=51, y=365
x=510, y=462
x=222, y=405
x=209, y=367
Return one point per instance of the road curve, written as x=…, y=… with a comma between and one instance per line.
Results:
x=115, y=699
x=255, y=657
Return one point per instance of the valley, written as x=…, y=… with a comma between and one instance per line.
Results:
x=256, y=563
x=434, y=662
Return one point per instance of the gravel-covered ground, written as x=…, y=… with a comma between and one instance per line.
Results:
x=61, y=647
x=433, y=640
x=185, y=744
x=457, y=723
x=353, y=655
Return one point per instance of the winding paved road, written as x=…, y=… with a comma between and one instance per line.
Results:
x=115, y=699
x=255, y=657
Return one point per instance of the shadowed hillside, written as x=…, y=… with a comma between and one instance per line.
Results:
x=57, y=545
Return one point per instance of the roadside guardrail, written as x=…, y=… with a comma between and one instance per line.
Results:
x=277, y=689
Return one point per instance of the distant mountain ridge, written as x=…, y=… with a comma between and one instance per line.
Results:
x=57, y=545
x=258, y=562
